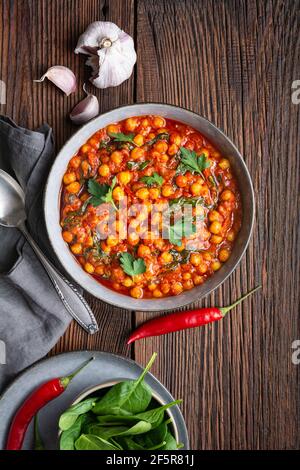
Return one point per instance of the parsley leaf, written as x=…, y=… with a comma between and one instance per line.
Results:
x=191, y=162
x=154, y=179
x=120, y=137
x=162, y=136
x=101, y=193
x=181, y=228
x=132, y=266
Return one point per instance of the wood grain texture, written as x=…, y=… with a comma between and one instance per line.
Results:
x=232, y=61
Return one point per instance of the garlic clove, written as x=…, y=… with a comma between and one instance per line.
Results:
x=85, y=110
x=111, y=51
x=62, y=77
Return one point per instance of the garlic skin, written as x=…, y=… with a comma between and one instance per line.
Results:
x=62, y=77
x=85, y=110
x=111, y=51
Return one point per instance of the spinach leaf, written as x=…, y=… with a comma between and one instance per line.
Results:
x=138, y=165
x=105, y=432
x=162, y=136
x=38, y=443
x=156, y=415
x=128, y=397
x=129, y=444
x=69, y=417
x=68, y=437
x=181, y=201
x=120, y=137
x=171, y=443
x=90, y=442
x=155, y=436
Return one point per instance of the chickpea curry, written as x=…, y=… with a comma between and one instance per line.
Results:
x=158, y=166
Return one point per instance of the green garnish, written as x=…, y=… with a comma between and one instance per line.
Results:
x=132, y=266
x=154, y=179
x=191, y=162
x=162, y=136
x=180, y=201
x=138, y=165
x=212, y=179
x=120, y=137
x=181, y=228
x=101, y=193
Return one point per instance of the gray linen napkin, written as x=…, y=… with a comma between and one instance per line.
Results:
x=32, y=317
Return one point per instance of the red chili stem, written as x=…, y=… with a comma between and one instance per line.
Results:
x=34, y=402
x=183, y=320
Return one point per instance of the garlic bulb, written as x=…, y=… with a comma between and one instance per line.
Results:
x=111, y=51
x=86, y=109
x=62, y=77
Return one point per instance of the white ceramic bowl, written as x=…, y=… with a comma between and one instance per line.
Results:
x=52, y=206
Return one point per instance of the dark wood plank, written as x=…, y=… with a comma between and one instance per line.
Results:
x=234, y=63
x=34, y=36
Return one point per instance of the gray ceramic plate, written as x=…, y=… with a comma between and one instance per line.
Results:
x=106, y=367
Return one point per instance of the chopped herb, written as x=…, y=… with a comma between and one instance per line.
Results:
x=137, y=165
x=181, y=228
x=154, y=179
x=212, y=179
x=180, y=201
x=162, y=136
x=132, y=266
x=191, y=162
x=120, y=137
x=101, y=193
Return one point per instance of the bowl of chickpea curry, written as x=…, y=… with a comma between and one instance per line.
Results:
x=149, y=207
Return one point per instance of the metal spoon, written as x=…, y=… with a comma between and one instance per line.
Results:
x=12, y=214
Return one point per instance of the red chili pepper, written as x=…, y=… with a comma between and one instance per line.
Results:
x=39, y=398
x=182, y=320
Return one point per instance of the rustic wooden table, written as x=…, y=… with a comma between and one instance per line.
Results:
x=232, y=61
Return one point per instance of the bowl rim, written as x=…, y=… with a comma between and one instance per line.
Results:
x=88, y=391
x=125, y=301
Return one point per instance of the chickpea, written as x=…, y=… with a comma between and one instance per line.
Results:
x=111, y=241
x=161, y=146
x=175, y=139
x=227, y=195
x=89, y=268
x=105, y=248
x=165, y=288
x=73, y=188
x=76, y=248
x=231, y=236
x=152, y=286
x=181, y=181
x=167, y=190
x=137, y=153
x=112, y=129
x=216, y=265
x=207, y=256
x=166, y=257
x=158, y=122
x=215, y=216
x=116, y=157
x=128, y=282
x=143, y=251
x=157, y=293
x=133, y=238
x=67, y=236
x=75, y=162
x=186, y=276
x=197, y=280
x=145, y=123
x=159, y=244
x=163, y=158
x=224, y=164
x=124, y=177
x=177, y=288
x=142, y=193
x=151, y=135
x=215, y=227
x=104, y=170
x=89, y=241
x=69, y=178
x=202, y=268
x=131, y=124
x=195, y=259
x=99, y=270
x=85, y=148
x=136, y=292
x=163, y=130
x=85, y=166
x=196, y=189
x=118, y=193
x=154, y=193
x=204, y=151
x=172, y=150
x=216, y=239
x=187, y=285
x=139, y=140
x=224, y=255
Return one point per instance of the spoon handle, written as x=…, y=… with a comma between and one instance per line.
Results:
x=73, y=301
